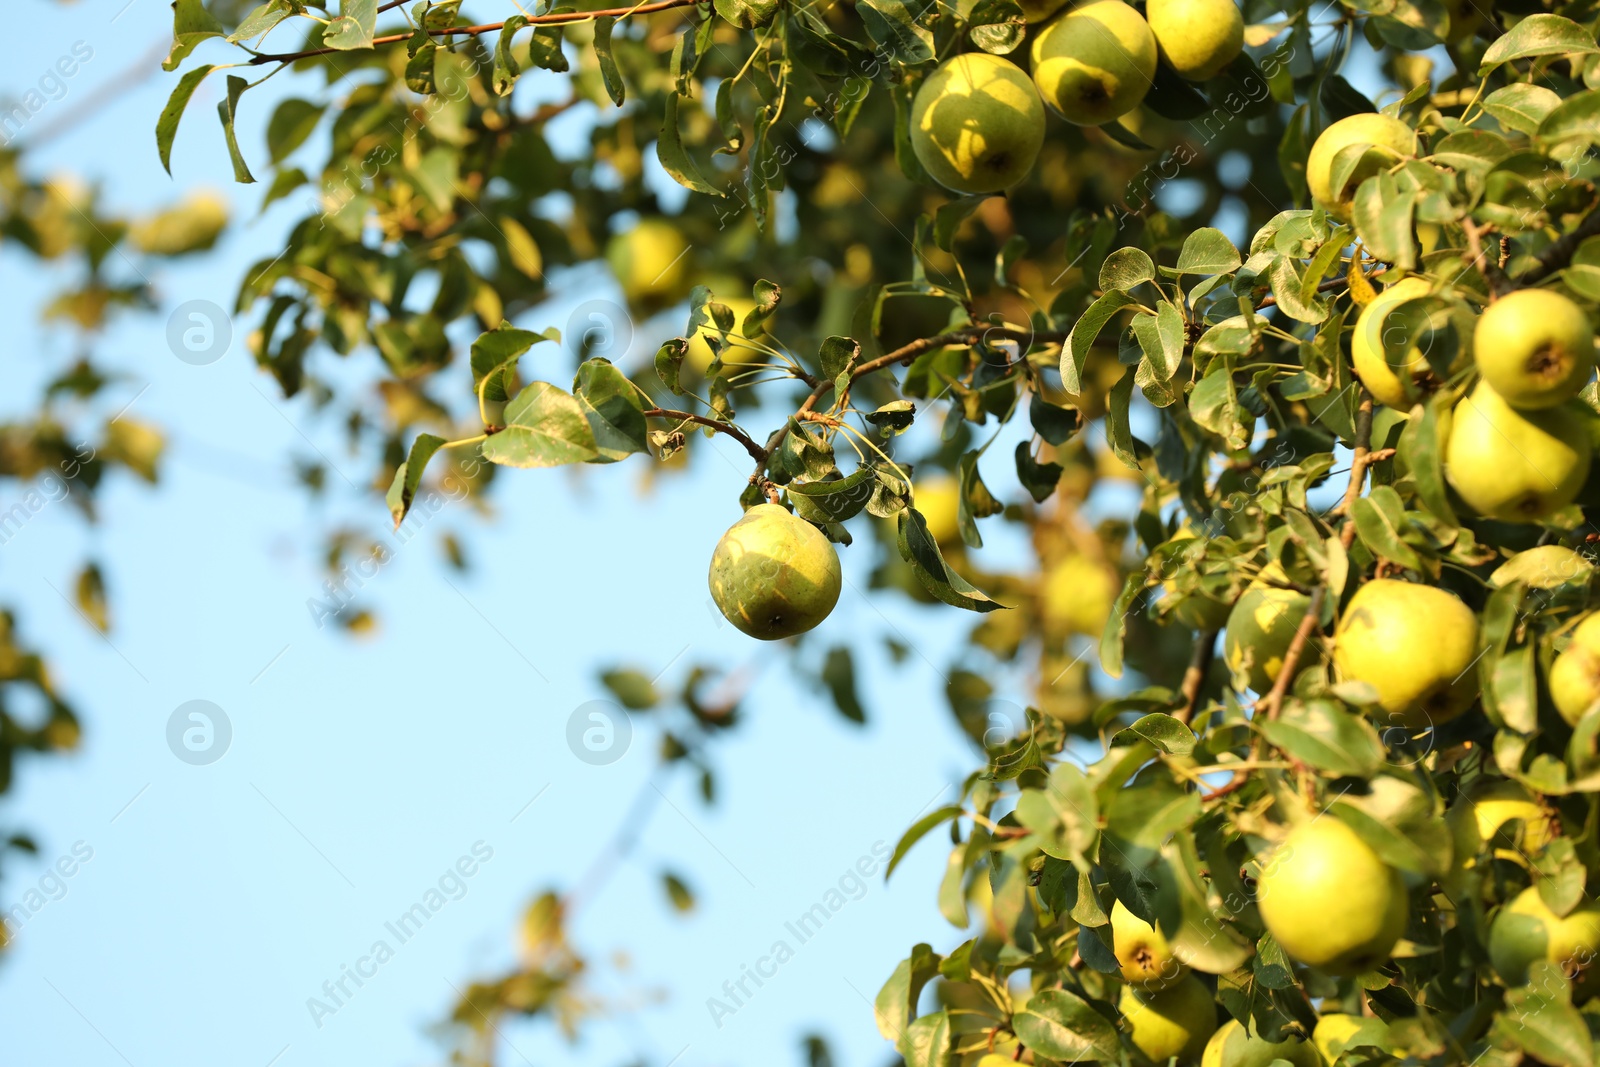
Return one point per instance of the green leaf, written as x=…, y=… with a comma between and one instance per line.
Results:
x=409, y=475
x=506, y=67
x=1379, y=517
x=292, y=122
x=1540, y=1019
x=1521, y=107
x=1039, y=479
x=633, y=689
x=262, y=19
x=997, y=26
x=545, y=427
x=1538, y=35
x=1126, y=268
x=1422, y=447
x=1061, y=1026
x=917, y=831
x=1208, y=251
x=926, y=1042
x=836, y=500
x=896, y=1002
x=894, y=417
x=1111, y=638
x=918, y=548
x=973, y=499
x=167, y=124
x=191, y=24
x=1119, y=431
x=678, y=892
x=1577, y=116
x=612, y=406
x=949, y=217
x=494, y=359
x=357, y=22
x=747, y=14
x=669, y=363
x=1083, y=336
x=838, y=355
x=895, y=27
x=670, y=152
x=226, y=110
x=1162, y=731
x=612, y=76
x=1327, y=738
x=839, y=675
x=1056, y=425
x=1161, y=338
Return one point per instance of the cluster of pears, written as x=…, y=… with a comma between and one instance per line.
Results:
x=1413, y=644
x=1326, y=898
x=774, y=575
x=978, y=121
x=1519, y=445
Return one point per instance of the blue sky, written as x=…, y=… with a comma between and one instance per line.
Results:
x=219, y=898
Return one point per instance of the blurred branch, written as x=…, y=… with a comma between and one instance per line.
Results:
x=1559, y=254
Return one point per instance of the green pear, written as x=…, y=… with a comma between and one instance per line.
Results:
x=1197, y=38
x=1575, y=674
x=1336, y=1032
x=1543, y=567
x=977, y=124
x=1535, y=348
x=1095, y=62
x=774, y=575
x=1416, y=645
x=1142, y=950
x=1034, y=11
x=1173, y=1022
x=1526, y=930
x=1329, y=901
x=1389, y=141
x=1233, y=1046
x=651, y=262
x=1520, y=466
x=1261, y=627
x=1366, y=346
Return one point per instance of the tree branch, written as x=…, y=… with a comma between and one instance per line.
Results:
x=1559, y=254
x=555, y=19
x=1205, y=645
x=757, y=453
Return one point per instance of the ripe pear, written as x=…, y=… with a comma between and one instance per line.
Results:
x=1392, y=139
x=1575, y=674
x=1366, y=346
x=1477, y=817
x=1173, y=1022
x=1197, y=38
x=1416, y=645
x=1095, y=62
x=1519, y=466
x=1329, y=901
x=1336, y=1032
x=1261, y=627
x=1535, y=348
x=995, y=1059
x=651, y=262
x=1142, y=950
x=1034, y=11
x=1526, y=930
x=938, y=497
x=1543, y=567
x=774, y=575
x=1233, y=1046
x=977, y=124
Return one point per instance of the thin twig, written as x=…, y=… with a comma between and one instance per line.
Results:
x=1205, y=644
x=1559, y=254
x=757, y=453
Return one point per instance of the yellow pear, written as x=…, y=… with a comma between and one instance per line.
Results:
x=1078, y=595
x=1478, y=816
x=1335, y=1032
x=1575, y=674
x=1416, y=645
x=1329, y=901
x=1142, y=951
x=1038, y=10
x=938, y=497
x=1233, y=1046
x=1535, y=348
x=977, y=124
x=1261, y=627
x=1519, y=466
x=1526, y=930
x=651, y=262
x=774, y=575
x=1173, y=1022
x=1095, y=62
x=995, y=1059
x=1543, y=567
x=1392, y=140
x=1366, y=346
x=1197, y=38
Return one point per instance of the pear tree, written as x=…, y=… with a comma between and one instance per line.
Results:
x=1285, y=314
